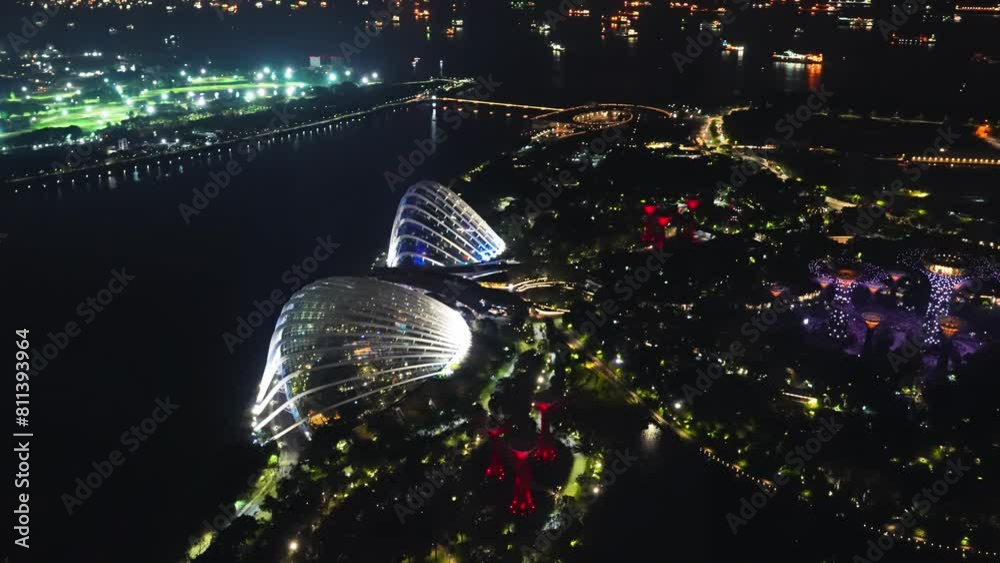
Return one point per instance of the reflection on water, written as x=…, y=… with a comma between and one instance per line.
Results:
x=796, y=77
x=728, y=56
x=118, y=176
x=197, y=162
x=814, y=75
x=650, y=438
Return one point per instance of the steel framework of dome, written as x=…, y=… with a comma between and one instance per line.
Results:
x=434, y=226
x=342, y=340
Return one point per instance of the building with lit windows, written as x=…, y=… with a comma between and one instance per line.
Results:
x=433, y=226
x=346, y=346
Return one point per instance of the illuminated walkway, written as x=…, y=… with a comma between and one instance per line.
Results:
x=554, y=111
x=496, y=104
x=610, y=106
x=952, y=161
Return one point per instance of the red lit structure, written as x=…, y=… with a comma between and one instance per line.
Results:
x=648, y=225
x=653, y=226
x=495, y=468
x=546, y=450
x=522, y=503
x=693, y=203
x=660, y=235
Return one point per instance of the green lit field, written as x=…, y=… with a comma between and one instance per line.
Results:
x=90, y=113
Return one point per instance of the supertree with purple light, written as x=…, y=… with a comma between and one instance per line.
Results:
x=872, y=321
x=950, y=326
x=947, y=273
x=895, y=276
x=845, y=276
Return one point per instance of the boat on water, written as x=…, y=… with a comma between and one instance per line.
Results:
x=793, y=57
x=727, y=46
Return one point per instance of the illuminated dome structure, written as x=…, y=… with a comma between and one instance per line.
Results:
x=434, y=226
x=352, y=343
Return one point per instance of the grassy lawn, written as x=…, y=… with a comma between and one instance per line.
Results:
x=572, y=488
x=484, y=396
